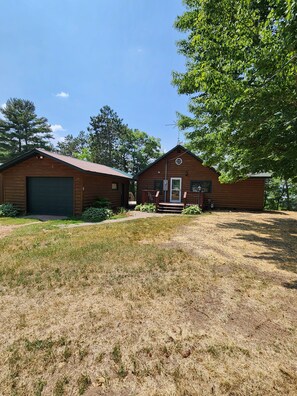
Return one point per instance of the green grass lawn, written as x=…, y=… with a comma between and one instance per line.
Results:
x=135, y=308
x=6, y=221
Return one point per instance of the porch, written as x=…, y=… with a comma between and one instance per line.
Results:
x=163, y=203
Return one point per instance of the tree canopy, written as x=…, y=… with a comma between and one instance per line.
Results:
x=241, y=77
x=113, y=143
x=74, y=146
x=21, y=129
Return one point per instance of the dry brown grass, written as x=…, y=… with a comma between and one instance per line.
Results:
x=162, y=306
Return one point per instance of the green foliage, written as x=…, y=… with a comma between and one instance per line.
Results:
x=101, y=203
x=280, y=194
x=241, y=79
x=96, y=214
x=192, y=210
x=121, y=211
x=8, y=210
x=21, y=129
x=146, y=207
x=113, y=143
x=75, y=146
x=137, y=150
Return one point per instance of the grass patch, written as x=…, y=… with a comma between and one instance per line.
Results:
x=6, y=221
x=43, y=256
x=159, y=306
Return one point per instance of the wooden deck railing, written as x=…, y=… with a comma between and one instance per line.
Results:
x=185, y=198
x=193, y=198
x=189, y=197
x=150, y=196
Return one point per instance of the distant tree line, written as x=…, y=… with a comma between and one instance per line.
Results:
x=281, y=194
x=108, y=140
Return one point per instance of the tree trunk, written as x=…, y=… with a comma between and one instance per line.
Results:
x=288, y=195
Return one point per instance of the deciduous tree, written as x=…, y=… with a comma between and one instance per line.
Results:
x=241, y=78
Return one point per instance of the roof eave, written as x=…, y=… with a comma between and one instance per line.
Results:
x=30, y=153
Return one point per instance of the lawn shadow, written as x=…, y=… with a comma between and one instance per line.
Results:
x=291, y=285
x=278, y=237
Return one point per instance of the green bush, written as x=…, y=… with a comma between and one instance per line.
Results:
x=101, y=203
x=96, y=214
x=147, y=207
x=192, y=210
x=121, y=211
x=8, y=210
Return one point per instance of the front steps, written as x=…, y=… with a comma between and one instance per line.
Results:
x=165, y=207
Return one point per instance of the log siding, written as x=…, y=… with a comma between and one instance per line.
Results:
x=86, y=187
x=245, y=194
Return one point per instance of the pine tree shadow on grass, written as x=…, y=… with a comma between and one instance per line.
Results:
x=277, y=235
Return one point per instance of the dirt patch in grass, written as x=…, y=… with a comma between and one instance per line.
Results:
x=149, y=308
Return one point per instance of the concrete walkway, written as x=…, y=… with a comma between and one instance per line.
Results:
x=133, y=215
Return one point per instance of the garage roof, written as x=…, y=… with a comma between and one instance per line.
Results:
x=85, y=166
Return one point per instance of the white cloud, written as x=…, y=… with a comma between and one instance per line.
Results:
x=57, y=128
x=58, y=133
x=62, y=94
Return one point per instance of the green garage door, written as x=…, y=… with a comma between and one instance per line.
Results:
x=50, y=195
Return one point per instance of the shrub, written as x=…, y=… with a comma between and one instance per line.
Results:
x=8, y=210
x=101, y=203
x=96, y=214
x=147, y=207
x=192, y=210
x=121, y=211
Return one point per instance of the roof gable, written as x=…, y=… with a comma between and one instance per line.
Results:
x=177, y=147
x=180, y=147
x=84, y=166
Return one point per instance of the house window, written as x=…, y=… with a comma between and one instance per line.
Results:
x=204, y=184
x=158, y=185
x=114, y=186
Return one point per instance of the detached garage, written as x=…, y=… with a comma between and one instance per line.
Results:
x=41, y=182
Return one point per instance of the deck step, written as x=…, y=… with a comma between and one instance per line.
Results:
x=171, y=204
x=165, y=207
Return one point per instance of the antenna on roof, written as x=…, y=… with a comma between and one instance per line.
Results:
x=174, y=125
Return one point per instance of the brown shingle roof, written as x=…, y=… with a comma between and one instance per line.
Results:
x=74, y=162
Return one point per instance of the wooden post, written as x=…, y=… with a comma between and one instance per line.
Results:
x=157, y=199
x=185, y=199
x=143, y=196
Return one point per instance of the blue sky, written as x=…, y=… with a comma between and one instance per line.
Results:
x=93, y=52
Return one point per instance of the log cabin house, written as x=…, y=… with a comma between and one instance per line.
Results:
x=45, y=183
x=179, y=178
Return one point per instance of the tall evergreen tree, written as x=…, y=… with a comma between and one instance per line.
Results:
x=241, y=79
x=106, y=131
x=21, y=129
x=114, y=144
x=73, y=145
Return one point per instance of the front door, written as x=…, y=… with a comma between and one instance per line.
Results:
x=175, y=189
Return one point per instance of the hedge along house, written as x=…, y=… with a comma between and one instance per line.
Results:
x=179, y=178
x=45, y=183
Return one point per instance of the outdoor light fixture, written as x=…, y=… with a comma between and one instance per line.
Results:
x=39, y=157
